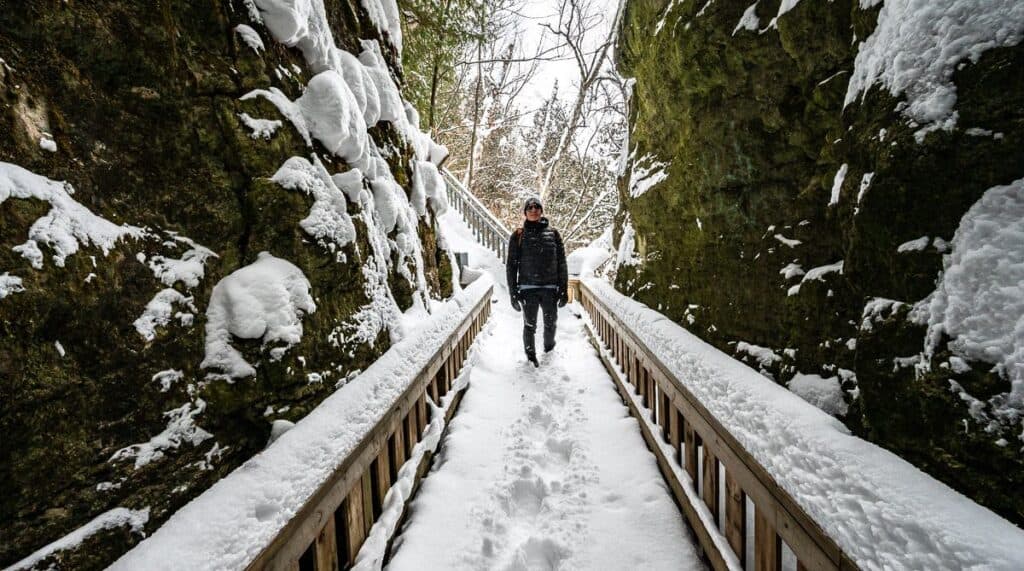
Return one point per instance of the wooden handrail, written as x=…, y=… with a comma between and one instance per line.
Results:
x=486, y=227
x=328, y=530
x=689, y=430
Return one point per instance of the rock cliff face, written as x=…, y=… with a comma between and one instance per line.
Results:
x=795, y=192
x=123, y=383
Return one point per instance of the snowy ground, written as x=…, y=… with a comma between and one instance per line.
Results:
x=542, y=468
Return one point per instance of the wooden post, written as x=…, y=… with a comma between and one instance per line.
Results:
x=411, y=436
x=767, y=546
x=326, y=547
x=735, y=517
x=709, y=491
x=692, y=441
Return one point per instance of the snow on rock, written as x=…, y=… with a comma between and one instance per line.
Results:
x=289, y=109
x=230, y=523
x=363, y=86
x=278, y=428
x=792, y=270
x=643, y=178
x=10, y=284
x=427, y=185
x=749, y=21
x=302, y=24
x=48, y=144
x=134, y=520
x=261, y=128
x=384, y=14
x=917, y=45
x=878, y=309
x=188, y=269
x=787, y=241
x=264, y=300
x=824, y=393
x=837, y=184
x=160, y=310
x=334, y=117
x=67, y=226
x=328, y=220
x=250, y=37
x=979, y=302
x=882, y=511
x=765, y=357
x=817, y=274
x=168, y=378
x=386, y=202
x=585, y=261
x=391, y=107
x=913, y=245
x=181, y=429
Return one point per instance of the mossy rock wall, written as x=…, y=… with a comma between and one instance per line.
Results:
x=754, y=128
x=142, y=100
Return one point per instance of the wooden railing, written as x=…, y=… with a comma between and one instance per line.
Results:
x=329, y=529
x=704, y=457
x=486, y=227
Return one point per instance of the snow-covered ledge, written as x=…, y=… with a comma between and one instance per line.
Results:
x=232, y=523
x=880, y=510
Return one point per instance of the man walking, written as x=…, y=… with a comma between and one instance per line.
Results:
x=537, y=276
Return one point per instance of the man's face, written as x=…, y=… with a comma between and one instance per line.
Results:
x=533, y=213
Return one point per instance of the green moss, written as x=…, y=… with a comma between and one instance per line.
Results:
x=755, y=129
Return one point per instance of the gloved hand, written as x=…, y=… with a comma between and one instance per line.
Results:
x=515, y=304
x=563, y=299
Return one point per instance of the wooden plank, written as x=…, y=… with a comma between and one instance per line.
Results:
x=421, y=412
x=675, y=421
x=805, y=536
x=715, y=558
x=665, y=417
x=353, y=507
x=735, y=517
x=411, y=436
x=382, y=479
x=367, y=486
x=690, y=453
x=709, y=487
x=397, y=450
x=326, y=547
x=767, y=545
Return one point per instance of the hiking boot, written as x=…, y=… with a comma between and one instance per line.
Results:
x=533, y=359
x=549, y=348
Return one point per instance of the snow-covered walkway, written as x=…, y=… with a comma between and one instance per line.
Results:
x=541, y=468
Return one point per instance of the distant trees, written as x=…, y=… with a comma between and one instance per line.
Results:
x=468, y=78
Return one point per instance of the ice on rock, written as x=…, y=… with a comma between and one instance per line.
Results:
x=837, y=184
x=289, y=109
x=264, y=300
x=328, y=220
x=67, y=226
x=351, y=183
x=917, y=45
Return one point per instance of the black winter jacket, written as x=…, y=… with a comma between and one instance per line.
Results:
x=536, y=256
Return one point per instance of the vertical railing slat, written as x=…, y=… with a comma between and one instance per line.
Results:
x=709, y=489
x=735, y=517
x=767, y=545
x=326, y=547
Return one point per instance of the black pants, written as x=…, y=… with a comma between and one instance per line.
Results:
x=547, y=300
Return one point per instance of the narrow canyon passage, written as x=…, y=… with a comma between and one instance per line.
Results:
x=542, y=468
